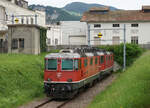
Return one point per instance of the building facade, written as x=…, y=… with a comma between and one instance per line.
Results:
x=24, y=39
x=14, y=12
x=111, y=25
x=67, y=33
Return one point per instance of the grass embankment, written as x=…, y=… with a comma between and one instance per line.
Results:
x=21, y=79
x=130, y=90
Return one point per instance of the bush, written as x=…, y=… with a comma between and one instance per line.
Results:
x=132, y=52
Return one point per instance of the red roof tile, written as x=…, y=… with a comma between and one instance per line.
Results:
x=116, y=16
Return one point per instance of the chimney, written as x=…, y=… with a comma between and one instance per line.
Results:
x=99, y=9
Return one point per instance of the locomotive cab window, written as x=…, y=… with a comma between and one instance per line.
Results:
x=51, y=64
x=67, y=64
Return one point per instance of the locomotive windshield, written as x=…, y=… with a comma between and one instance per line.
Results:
x=67, y=64
x=52, y=64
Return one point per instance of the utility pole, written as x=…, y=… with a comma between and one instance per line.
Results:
x=12, y=19
x=89, y=44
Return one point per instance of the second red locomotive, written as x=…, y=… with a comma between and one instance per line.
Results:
x=71, y=69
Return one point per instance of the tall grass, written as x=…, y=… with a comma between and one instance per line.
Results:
x=130, y=90
x=21, y=79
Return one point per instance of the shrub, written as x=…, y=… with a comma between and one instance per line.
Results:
x=132, y=52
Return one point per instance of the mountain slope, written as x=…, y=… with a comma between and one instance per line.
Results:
x=79, y=7
x=71, y=12
x=55, y=14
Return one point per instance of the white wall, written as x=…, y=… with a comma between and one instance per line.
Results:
x=142, y=31
x=72, y=28
x=3, y=24
x=53, y=33
x=66, y=29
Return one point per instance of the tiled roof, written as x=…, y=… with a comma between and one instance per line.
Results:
x=117, y=16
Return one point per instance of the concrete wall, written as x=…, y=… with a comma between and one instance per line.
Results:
x=31, y=36
x=142, y=32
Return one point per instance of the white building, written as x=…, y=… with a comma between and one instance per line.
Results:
x=67, y=33
x=17, y=12
x=111, y=25
x=14, y=12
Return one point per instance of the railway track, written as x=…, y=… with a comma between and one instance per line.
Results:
x=51, y=103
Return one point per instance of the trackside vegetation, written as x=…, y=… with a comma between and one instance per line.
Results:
x=133, y=51
x=21, y=79
x=130, y=90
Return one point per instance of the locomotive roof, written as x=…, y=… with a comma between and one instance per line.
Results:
x=63, y=55
x=77, y=53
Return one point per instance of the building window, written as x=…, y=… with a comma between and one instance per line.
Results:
x=1, y=43
x=31, y=20
x=97, y=25
x=134, y=25
x=27, y=20
x=116, y=25
x=58, y=23
x=14, y=43
x=22, y=20
x=21, y=43
x=56, y=41
x=134, y=40
x=49, y=28
x=49, y=41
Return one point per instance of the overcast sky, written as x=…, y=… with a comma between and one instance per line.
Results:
x=121, y=4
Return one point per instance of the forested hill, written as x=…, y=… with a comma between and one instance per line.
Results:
x=71, y=12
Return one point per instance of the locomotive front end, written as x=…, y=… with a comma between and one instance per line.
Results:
x=61, y=73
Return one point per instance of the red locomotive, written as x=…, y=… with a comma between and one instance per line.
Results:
x=72, y=69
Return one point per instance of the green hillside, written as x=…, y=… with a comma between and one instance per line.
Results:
x=130, y=90
x=71, y=12
x=80, y=8
x=62, y=14
x=21, y=79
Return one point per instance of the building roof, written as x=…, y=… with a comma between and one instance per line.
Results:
x=118, y=16
x=26, y=25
